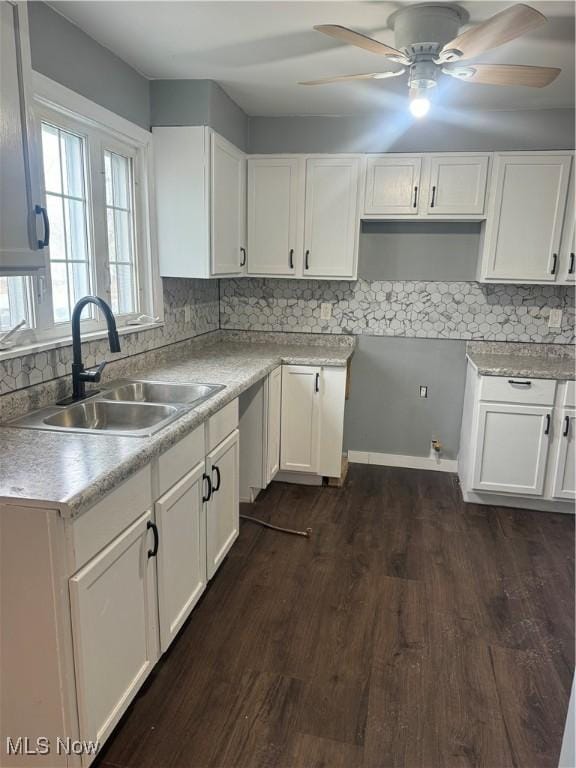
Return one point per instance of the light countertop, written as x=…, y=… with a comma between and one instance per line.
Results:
x=72, y=471
x=532, y=361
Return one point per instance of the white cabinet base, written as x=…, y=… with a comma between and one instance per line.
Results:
x=517, y=502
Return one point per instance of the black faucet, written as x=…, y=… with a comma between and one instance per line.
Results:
x=81, y=375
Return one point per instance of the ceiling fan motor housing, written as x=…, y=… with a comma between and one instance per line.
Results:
x=426, y=28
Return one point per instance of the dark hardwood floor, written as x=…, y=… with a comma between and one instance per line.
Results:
x=411, y=630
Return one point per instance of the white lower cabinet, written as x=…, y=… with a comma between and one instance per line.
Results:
x=273, y=416
x=565, y=458
x=517, y=442
x=223, y=505
x=181, y=521
x=112, y=606
x=300, y=418
x=511, y=448
x=312, y=423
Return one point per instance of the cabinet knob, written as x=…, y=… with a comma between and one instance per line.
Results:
x=547, y=428
x=208, y=495
x=307, y=260
x=216, y=485
x=433, y=197
x=571, y=267
x=243, y=259
x=566, y=426
x=317, y=383
x=291, y=258
x=415, y=197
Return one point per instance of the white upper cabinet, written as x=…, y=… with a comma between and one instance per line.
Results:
x=228, y=204
x=393, y=184
x=22, y=248
x=567, y=268
x=331, y=217
x=273, y=210
x=525, y=218
x=457, y=184
x=201, y=203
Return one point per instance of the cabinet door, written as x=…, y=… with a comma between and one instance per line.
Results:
x=181, y=521
x=511, y=447
x=568, y=247
x=273, y=205
x=457, y=185
x=19, y=160
x=565, y=466
x=223, y=508
x=228, y=197
x=525, y=218
x=112, y=601
x=393, y=184
x=273, y=424
x=299, y=436
x=331, y=217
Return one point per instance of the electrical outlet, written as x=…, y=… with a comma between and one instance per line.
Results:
x=187, y=316
x=423, y=390
x=325, y=311
x=555, y=318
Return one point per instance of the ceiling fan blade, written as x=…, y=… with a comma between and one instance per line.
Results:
x=346, y=35
x=344, y=78
x=505, y=74
x=497, y=30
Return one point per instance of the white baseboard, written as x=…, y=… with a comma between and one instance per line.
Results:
x=397, y=460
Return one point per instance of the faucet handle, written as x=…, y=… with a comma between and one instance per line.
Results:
x=93, y=374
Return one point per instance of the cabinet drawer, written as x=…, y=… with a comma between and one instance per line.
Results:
x=180, y=459
x=221, y=424
x=97, y=527
x=517, y=389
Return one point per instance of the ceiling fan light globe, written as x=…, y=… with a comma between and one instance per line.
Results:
x=419, y=106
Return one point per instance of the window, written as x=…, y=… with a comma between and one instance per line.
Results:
x=120, y=221
x=63, y=154
x=96, y=168
x=15, y=304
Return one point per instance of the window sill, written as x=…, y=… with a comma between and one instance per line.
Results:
x=44, y=346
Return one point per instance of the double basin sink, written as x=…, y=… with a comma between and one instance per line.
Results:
x=130, y=408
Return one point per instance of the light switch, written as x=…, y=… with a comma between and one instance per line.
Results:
x=325, y=311
x=555, y=318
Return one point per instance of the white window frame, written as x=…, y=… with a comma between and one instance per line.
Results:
x=56, y=104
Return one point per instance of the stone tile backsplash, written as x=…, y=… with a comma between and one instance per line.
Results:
x=200, y=296
x=438, y=310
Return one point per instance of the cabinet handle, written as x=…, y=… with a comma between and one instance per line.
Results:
x=571, y=267
x=152, y=526
x=566, y=426
x=415, y=197
x=208, y=495
x=39, y=210
x=547, y=429
x=291, y=258
x=554, y=263
x=433, y=197
x=216, y=485
x=520, y=383
x=317, y=383
x=243, y=259
x=307, y=260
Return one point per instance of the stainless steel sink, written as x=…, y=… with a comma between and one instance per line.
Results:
x=102, y=417
x=161, y=392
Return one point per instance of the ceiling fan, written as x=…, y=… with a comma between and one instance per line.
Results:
x=428, y=44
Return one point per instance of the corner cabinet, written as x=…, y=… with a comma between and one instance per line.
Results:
x=22, y=249
x=526, y=218
x=517, y=442
x=303, y=216
x=201, y=203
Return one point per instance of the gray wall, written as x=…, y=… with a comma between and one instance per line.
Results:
x=410, y=250
x=385, y=413
x=61, y=51
x=198, y=102
x=391, y=132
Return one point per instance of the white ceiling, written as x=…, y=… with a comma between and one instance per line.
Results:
x=258, y=51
